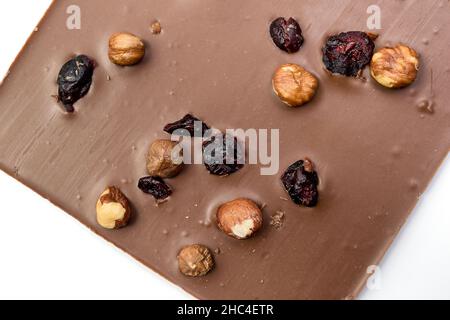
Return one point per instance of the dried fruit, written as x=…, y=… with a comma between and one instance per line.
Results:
x=187, y=126
x=223, y=155
x=195, y=261
x=156, y=187
x=287, y=34
x=240, y=218
x=113, y=209
x=126, y=49
x=164, y=159
x=294, y=85
x=395, y=67
x=301, y=181
x=74, y=81
x=348, y=53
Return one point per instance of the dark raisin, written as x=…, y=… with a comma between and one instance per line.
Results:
x=301, y=181
x=223, y=155
x=156, y=187
x=287, y=34
x=348, y=53
x=74, y=81
x=189, y=124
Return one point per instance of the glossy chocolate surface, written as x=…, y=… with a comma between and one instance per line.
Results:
x=375, y=150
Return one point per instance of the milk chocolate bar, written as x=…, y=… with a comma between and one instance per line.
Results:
x=374, y=149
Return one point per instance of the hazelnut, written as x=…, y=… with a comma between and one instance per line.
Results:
x=240, y=218
x=125, y=49
x=294, y=85
x=195, y=261
x=164, y=159
x=113, y=209
x=395, y=67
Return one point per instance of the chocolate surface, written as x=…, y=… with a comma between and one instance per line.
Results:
x=375, y=150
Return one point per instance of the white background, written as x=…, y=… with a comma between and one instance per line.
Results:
x=46, y=254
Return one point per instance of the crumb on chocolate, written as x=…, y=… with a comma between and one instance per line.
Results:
x=277, y=220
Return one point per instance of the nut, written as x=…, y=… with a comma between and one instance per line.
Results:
x=240, y=218
x=395, y=67
x=294, y=85
x=113, y=209
x=164, y=159
x=195, y=261
x=155, y=28
x=125, y=49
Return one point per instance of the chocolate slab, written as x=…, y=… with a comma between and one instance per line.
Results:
x=375, y=150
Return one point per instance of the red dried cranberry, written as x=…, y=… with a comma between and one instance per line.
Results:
x=223, y=155
x=190, y=124
x=74, y=81
x=348, y=53
x=301, y=181
x=287, y=34
x=155, y=186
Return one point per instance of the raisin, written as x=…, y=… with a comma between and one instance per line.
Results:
x=74, y=81
x=348, y=53
x=190, y=124
x=287, y=34
x=223, y=155
x=301, y=181
x=156, y=187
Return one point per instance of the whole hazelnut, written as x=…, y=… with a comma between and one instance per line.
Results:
x=113, y=209
x=164, y=159
x=240, y=218
x=195, y=261
x=395, y=67
x=294, y=85
x=126, y=49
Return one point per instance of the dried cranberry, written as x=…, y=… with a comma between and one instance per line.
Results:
x=192, y=125
x=348, y=53
x=74, y=80
x=301, y=181
x=223, y=155
x=287, y=34
x=156, y=187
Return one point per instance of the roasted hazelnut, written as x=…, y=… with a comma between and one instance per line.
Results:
x=395, y=67
x=125, y=49
x=294, y=85
x=113, y=209
x=240, y=218
x=164, y=159
x=195, y=261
